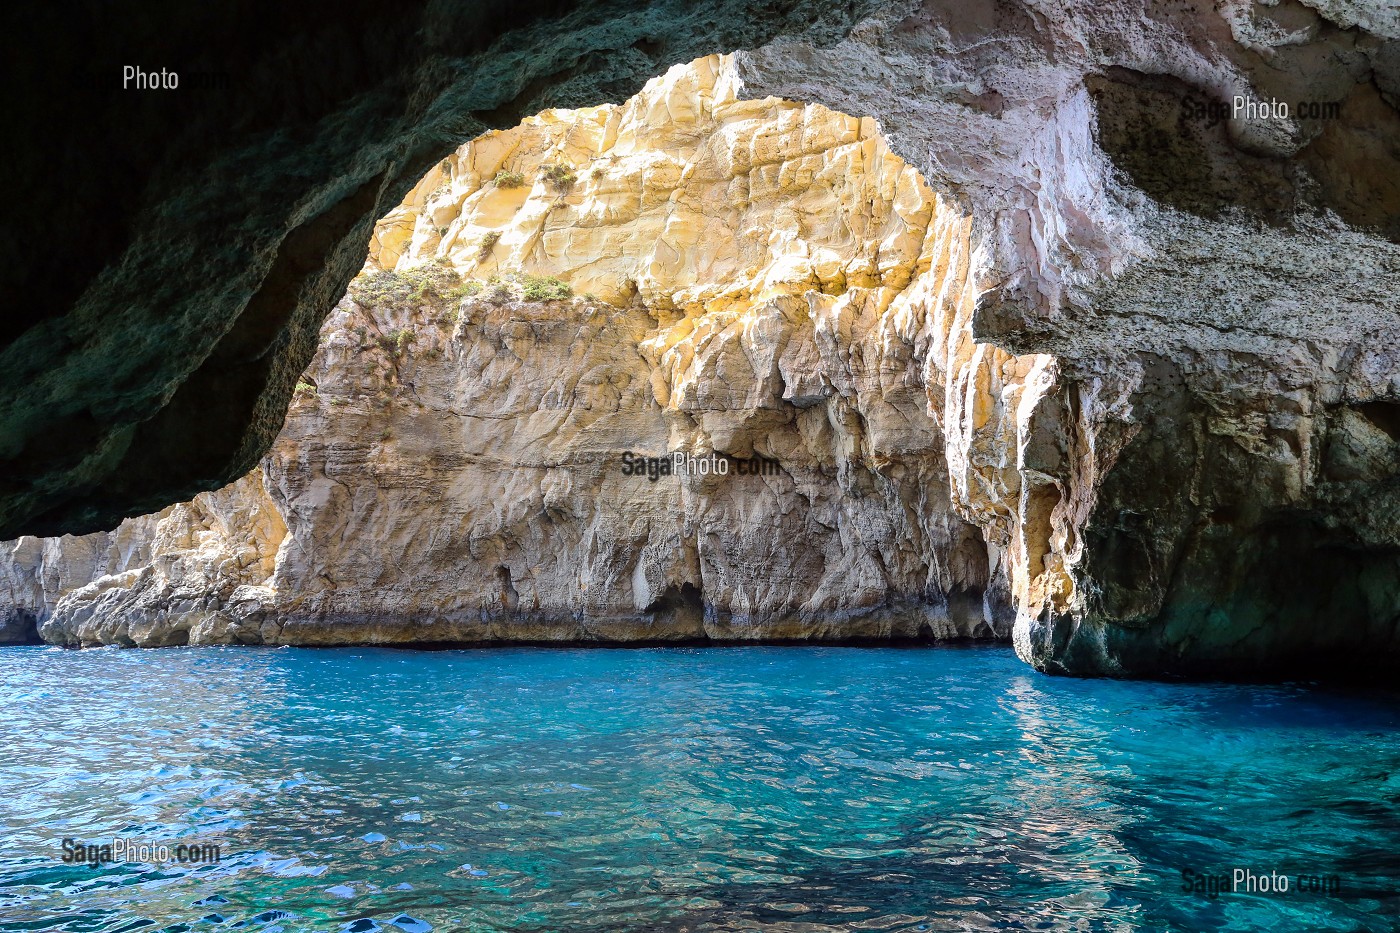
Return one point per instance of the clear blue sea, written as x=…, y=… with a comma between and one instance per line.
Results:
x=782, y=789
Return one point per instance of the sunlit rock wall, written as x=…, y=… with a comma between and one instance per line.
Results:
x=189, y=573
x=755, y=280
x=194, y=239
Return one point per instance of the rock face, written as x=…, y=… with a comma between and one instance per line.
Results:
x=1157, y=350
x=171, y=253
x=191, y=573
x=765, y=289
x=1211, y=480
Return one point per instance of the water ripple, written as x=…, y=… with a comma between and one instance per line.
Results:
x=807, y=789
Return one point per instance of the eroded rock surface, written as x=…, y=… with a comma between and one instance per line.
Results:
x=1159, y=366
x=761, y=282
x=171, y=254
x=1213, y=480
x=193, y=573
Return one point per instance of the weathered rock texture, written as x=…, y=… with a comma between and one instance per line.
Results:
x=1209, y=481
x=764, y=279
x=187, y=574
x=170, y=254
x=1167, y=396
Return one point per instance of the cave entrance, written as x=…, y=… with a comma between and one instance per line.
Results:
x=689, y=279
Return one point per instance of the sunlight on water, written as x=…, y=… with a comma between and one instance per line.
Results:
x=798, y=789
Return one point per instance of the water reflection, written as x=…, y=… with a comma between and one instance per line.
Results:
x=777, y=789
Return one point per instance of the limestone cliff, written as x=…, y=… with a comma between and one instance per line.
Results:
x=183, y=574
x=754, y=282
x=1210, y=469
x=1156, y=350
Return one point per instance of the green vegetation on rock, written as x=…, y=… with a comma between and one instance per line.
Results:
x=544, y=288
x=488, y=242
x=561, y=177
x=433, y=281
x=396, y=341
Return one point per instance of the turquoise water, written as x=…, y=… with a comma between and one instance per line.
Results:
x=792, y=789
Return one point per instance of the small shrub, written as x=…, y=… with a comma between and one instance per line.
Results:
x=305, y=388
x=385, y=434
x=442, y=231
x=468, y=289
x=545, y=288
x=396, y=341
x=505, y=179
x=429, y=282
x=488, y=242
x=560, y=177
x=499, y=295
